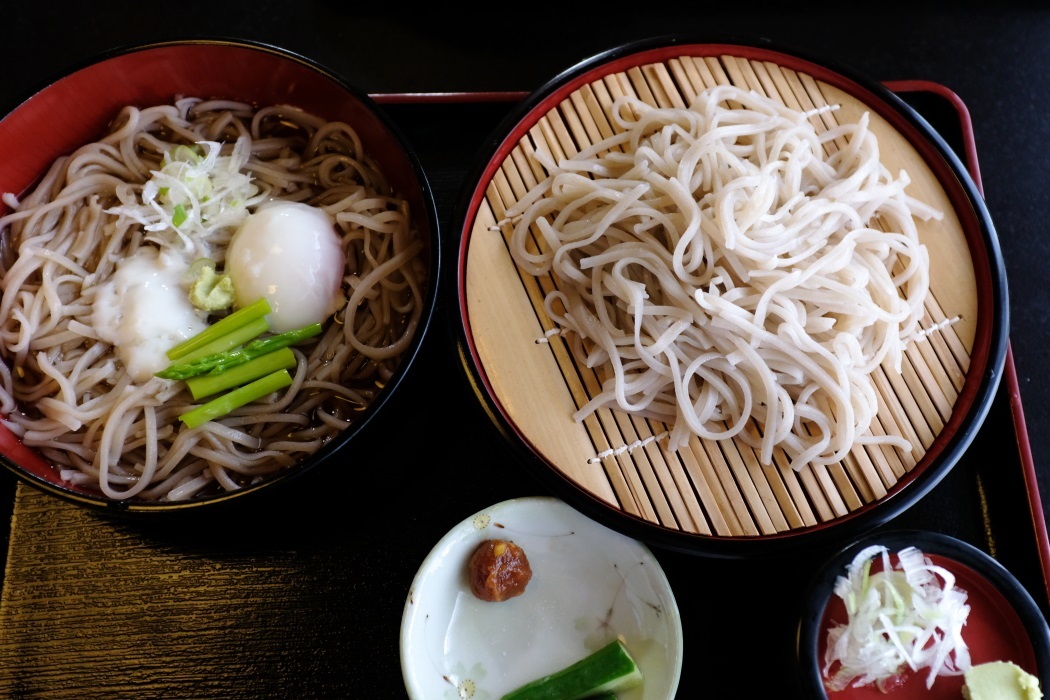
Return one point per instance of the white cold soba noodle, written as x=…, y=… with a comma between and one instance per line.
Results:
x=65, y=392
x=730, y=272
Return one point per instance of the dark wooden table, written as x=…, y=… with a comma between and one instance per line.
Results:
x=302, y=597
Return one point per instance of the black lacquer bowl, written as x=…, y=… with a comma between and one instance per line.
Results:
x=1004, y=622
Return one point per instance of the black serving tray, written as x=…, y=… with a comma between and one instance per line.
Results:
x=303, y=596
x=740, y=617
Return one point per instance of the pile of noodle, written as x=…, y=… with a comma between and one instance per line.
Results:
x=64, y=392
x=730, y=271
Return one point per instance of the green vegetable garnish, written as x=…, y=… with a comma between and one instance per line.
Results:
x=220, y=358
x=185, y=154
x=208, y=384
x=218, y=407
x=178, y=216
x=232, y=340
x=604, y=672
x=195, y=188
x=219, y=362
x=235, y=320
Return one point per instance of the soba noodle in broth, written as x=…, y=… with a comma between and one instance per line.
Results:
x=66, y=393
x=730, y=271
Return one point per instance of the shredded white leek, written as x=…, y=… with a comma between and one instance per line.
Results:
x=196, y=193
x=908, y=616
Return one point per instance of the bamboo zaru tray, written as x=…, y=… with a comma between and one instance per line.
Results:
x=714, y=496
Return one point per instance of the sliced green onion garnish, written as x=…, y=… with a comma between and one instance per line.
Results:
x=178, y=217
x=905, y=616
x=187, y=154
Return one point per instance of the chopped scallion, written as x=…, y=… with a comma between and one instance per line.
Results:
x=178, y=216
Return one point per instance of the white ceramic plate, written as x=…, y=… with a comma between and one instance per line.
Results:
x=589, y=585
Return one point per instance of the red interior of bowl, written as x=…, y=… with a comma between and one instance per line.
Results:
x=75, y=110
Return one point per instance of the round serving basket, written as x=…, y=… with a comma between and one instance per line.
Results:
x=715, y=497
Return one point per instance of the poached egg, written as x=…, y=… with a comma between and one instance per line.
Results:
x=289, y=253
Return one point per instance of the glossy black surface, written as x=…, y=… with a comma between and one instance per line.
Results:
x=995, y=61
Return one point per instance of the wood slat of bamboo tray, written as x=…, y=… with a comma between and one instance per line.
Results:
x=708, y=487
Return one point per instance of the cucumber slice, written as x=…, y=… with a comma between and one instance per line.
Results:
x=607, y=670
